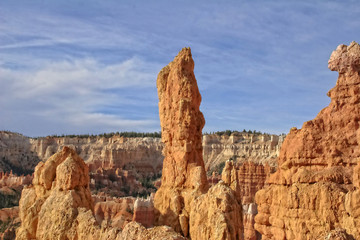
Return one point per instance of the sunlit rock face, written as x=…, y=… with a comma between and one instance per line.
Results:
x=316, y=187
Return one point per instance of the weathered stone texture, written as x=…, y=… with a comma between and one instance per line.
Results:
x=316, y=187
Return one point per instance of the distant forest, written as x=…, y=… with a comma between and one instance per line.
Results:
x=151, y=134
x=112, y=134
x=156, y=134
x=235, y=132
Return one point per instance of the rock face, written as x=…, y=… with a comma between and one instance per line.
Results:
x=183, y=200
x=257, y=148
x=115, y=212
x=316, y=187
x=216, y=215
x=13, y=181
x=143, y=154
x=245, y=180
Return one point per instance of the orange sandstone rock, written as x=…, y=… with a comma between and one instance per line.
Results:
x=252, y=178
x=230, y=177
x=216, y=215
x=59, y=206
x=49, y=208
x=183, y=200
x=183, y=175
x=316, y=187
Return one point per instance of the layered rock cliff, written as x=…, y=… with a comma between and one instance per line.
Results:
x=16, y=153
x=316, y=187
x=21, y=154
x=240, y=147
x=143, y=155
x=183, y=201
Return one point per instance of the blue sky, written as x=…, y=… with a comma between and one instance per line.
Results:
x=76, y=67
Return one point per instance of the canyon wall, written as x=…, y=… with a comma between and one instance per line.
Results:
x=21, y=153
x=143, y=155
x=240, y=147
x=315, y=191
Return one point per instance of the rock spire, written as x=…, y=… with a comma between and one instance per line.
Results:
x=183, y=176
x=184, y=200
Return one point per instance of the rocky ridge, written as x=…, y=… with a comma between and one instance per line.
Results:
x=316, y=189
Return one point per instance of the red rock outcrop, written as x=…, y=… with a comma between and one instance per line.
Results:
x=183, y=200
x=316, y=187
x=216, y=215
x=10, y=217
x=245, y=180
x=230, y=177
x=16, y=153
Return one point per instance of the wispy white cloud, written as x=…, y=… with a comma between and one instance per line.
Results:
x=78, y=94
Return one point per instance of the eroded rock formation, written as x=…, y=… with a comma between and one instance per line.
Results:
x=257, y=148
x=183, y=175
x=252, y=178
x=21, y=154
x=116, y=212
x=183, y=200
x=216, y=215
x=144, y=212
x=58, y=205
x=245, y=180
x=316, y=187
x=13, y=181
x=50, y=206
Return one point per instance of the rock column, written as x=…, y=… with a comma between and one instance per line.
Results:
x=183, y=176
